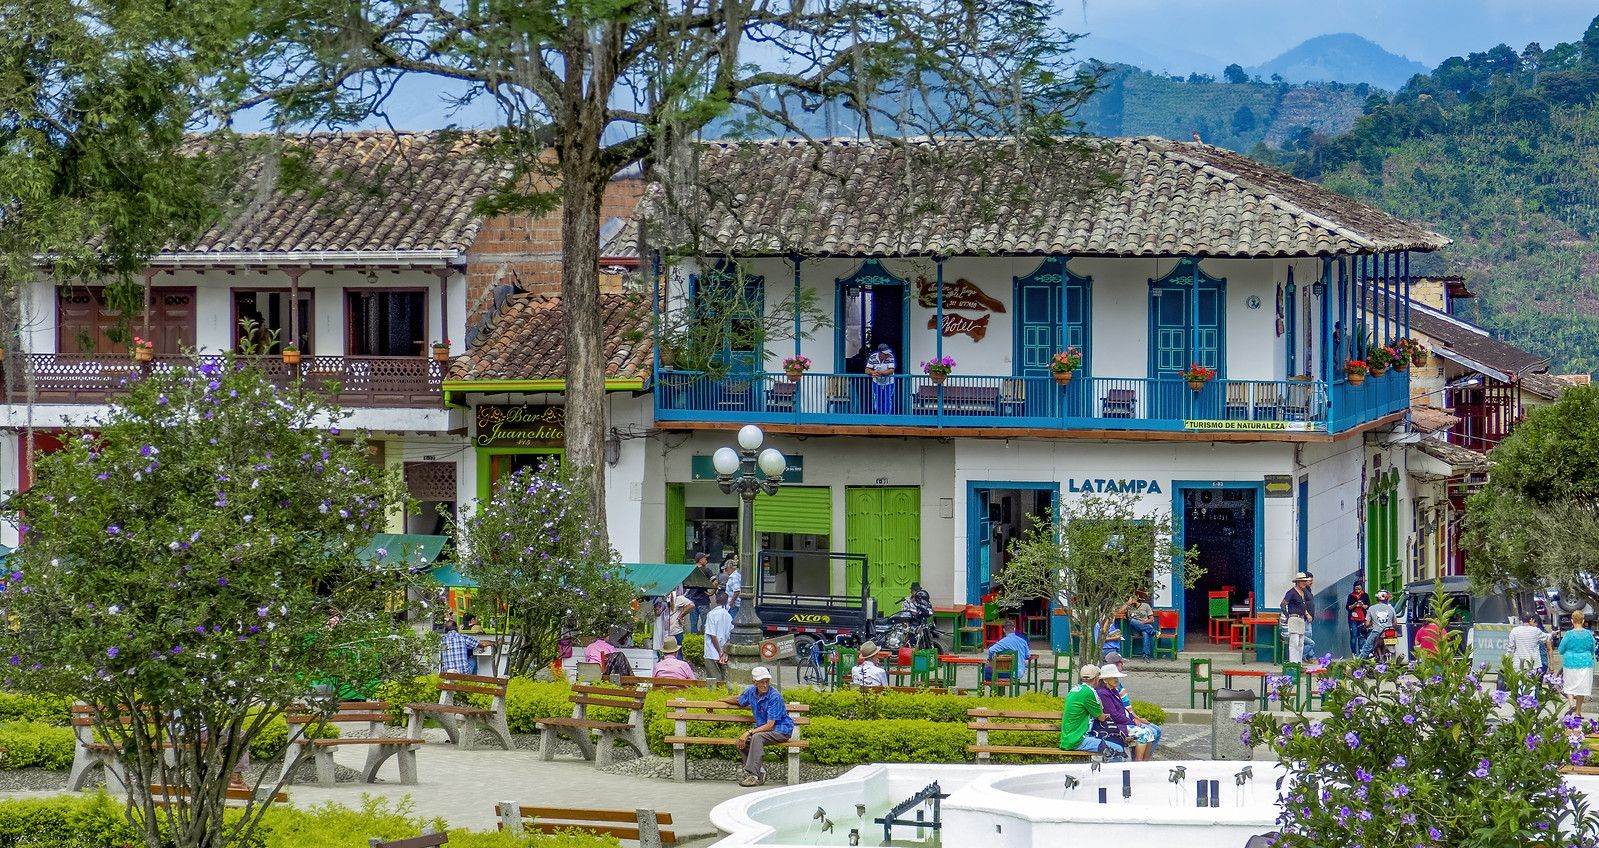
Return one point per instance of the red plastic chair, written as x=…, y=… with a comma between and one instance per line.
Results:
x=1168, y=622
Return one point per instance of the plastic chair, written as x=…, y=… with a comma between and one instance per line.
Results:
x=1064, y=665
x=1295, y=672
x=1266, y=643
x=587, y=672
x=1220, y=616
x=848, y=658
x=917, y=665
x=1166, y=638
x=1003, y=674
x=1200, y=682
x=971, y=627
x=993, y=625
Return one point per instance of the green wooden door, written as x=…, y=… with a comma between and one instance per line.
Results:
x=676, y=524
x=885, y=525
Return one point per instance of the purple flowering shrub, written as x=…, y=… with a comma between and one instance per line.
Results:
x=537, y=547
x=196, y=561
x=1425, y=754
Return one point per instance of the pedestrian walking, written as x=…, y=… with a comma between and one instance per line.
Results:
x=1298, y=610
x=1576, y=651
x=1356, y=605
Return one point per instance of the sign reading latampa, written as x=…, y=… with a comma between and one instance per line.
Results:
x=1099, y=485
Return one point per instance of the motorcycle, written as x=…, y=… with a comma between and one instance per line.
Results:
x=905, y=629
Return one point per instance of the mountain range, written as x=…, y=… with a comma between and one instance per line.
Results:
x=1343, y=57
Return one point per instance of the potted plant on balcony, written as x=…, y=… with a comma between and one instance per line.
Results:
x=1198, y=375
x=291, y=354
x=441, y=351
x=794, y=366
x=1355, y=370
x=1065, y=363
x=1379, y=358
x=1416, y=352
x=938, y=369
x=143, y=351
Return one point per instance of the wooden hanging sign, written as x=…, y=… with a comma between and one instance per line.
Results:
x=955, y=325
x=961, y=294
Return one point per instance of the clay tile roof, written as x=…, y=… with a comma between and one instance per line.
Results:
x=525, y=340
x=1431, y=419
x=358, y=191
x=1545, y=385
x=975, y=197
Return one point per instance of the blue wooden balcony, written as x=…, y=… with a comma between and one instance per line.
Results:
x=1098, y=403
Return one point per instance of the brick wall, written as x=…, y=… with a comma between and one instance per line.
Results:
x=525, y=252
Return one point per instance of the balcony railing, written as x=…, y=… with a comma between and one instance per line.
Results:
x=370, y=381
x=1105, y=403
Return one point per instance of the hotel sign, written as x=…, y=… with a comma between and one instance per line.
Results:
x=1258, y=426
x=520, y=426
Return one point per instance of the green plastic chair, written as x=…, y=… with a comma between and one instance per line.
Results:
x=1295, y=672
x=844, y=666
x=1200, y=681
x=1265, y=644
x=1064, y=666
x=1006, y=674
x=920, y=671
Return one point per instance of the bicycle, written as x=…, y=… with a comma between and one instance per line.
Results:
x=809, y=665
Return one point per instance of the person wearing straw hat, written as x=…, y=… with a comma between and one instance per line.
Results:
x=1141, y=732
x=670, y=664
x=1298, y=610
x=867, y=672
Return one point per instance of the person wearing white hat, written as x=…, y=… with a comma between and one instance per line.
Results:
x=867, y=672
x=1142, y=731
x=1077, y=717
x=772, y=723
x=1299, y=609
x=1118, y=721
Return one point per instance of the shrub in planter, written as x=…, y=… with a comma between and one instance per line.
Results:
x=333, y=825
x=836, y=741
x=85, y=821
x=33, y=744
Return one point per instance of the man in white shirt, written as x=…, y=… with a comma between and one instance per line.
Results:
x=867, y=672
x=678, y=609
x=880, y=365
x=732, y=583
x=718, y=629
x=1382, y=618
x=1524, y=641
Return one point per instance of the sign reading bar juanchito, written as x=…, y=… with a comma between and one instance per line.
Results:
x=520, y=426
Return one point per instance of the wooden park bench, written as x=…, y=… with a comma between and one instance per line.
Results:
x=661, y=682
x=1043, y=722
x=642, y=825
x=461, y=722
x=234, y=796
x=578, y=727
x=428, y=839
x=88, y=752
x=375, y=715
x=684, y=712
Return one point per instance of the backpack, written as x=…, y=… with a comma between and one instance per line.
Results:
x=616, y=663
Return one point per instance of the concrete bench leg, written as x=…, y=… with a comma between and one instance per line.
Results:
x=793, y=766
x=406, y=757
x=326, y=771
x=680, y=763
x=468, y=737
x=291, y=758
x=546, y=743
x=82, y=761
x=501, y=728
x=585, y=745
x=375, y=755
x=604, y=748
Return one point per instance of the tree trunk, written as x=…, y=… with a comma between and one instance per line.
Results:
x=582, y=189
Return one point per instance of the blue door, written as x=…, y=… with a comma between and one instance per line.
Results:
x=979, y=551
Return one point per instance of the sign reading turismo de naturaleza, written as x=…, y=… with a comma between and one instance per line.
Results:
x=520, y=426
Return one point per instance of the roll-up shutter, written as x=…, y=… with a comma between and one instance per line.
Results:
x=795, y=509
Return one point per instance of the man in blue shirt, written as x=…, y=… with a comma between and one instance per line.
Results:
x=880, y=366
x=1012, y=641
x=458, y=648
x=772, y=723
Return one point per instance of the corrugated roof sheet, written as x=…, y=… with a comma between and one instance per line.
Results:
x=978, y=197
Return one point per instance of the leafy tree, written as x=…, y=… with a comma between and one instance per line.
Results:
x=1244, y=121
x=587, y=89
x=1092, y=556
x=538, y=553
x=195, y=566
x=1234, y=74
x=1536, y=523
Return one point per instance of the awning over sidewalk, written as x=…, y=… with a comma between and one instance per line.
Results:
x=651, y=578
x=404, y=549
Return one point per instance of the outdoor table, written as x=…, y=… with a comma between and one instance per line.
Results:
x=1248, y=625
x=954, y=614
x=1227, y=675
x=950, y=664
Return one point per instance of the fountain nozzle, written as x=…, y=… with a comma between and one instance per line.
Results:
x=819, y=814
x=1072, y=782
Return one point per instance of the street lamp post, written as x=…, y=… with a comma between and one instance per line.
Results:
x=735, y=472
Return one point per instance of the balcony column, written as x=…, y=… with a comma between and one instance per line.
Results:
x=294, y=304
x=938, y=332
x=149, y=299
x=1326, y=321
x=1407, y=294
x=797, y=330
x=1343, y=344
x=444, y=302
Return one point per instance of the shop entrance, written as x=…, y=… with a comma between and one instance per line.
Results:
x=1223, y=522
x=1001, y=513
x=884, y=524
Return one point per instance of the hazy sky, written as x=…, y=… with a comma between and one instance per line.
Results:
x=1250, y=32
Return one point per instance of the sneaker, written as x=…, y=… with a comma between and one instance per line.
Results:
x=750, y=780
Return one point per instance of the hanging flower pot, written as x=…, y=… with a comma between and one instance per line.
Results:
x=1198, y=375
x=938, y=377
x=668, y=357
x=291, y=356
x=1357, y=379
x=1378, y=370
x=793, y=373
x=1401, y=367
x=441, y=351
x=143, y=354
x=1196, y=385
x=1062, y=377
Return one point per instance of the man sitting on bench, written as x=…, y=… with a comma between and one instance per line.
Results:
x=772, y=723
x=670, y=664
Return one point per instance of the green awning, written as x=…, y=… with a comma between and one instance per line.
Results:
x=404, y=549
x=654, y=578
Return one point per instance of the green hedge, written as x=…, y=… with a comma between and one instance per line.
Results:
x=693, y=648
x=51, y=709
x=99, y=821
x=34, y=744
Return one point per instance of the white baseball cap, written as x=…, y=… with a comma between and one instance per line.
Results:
x=761, y=673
